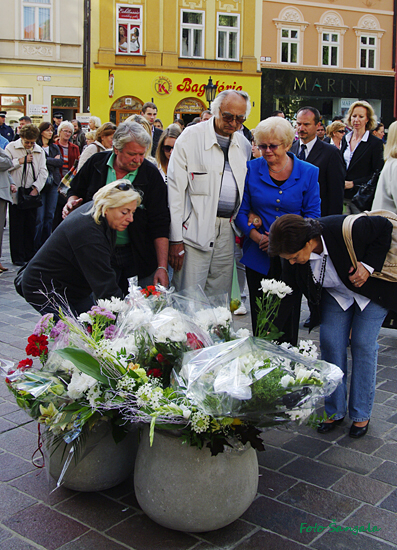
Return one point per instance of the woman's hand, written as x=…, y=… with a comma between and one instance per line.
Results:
x=254, y=219
x=360, y=276
x=34, y=192
x=13, y=188
x=349, y=185
x=72, y=204
x=259, y=239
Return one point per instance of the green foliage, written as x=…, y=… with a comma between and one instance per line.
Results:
x=84, y=362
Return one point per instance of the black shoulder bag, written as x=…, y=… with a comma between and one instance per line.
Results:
x=25, y=200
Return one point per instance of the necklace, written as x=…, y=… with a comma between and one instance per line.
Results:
x=318, y=285
x=278, y=171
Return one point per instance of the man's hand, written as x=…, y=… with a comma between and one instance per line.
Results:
x=255, y=220
x=13, y=188
x=176, y=256
x=161, y=277
x=360, y=276
x=72, y=204
x=349, y=185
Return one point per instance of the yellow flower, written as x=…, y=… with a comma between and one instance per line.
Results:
x=133, y=366
x=47, y=414
x=236, y=422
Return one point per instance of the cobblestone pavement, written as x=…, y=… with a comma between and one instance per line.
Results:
x=305, y=478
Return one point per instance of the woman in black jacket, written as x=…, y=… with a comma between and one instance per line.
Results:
x=341, y=300
x=361, y=151
x=49, y=194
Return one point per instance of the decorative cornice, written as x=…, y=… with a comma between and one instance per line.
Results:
x=30, y=49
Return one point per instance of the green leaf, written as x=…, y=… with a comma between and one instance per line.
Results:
x=84, y=362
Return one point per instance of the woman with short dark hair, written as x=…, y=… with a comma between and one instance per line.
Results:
x=342, y=300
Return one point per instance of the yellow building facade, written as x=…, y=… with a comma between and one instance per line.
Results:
x=164, y=51
x=327, y=53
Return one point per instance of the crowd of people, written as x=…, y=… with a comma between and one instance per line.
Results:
x=182, y=206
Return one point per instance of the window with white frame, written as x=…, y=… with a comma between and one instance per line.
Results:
x=367, y=51
x=36, y=19
x=228, y=36
x=330, y=49
x=289, y=45
x=192, y=33
x=129, y=37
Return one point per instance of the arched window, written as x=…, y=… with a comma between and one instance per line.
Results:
x=124, y=107
x=290, y=29
x=369, y=35
x=331, y=31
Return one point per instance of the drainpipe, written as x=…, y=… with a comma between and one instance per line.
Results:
x=87, y=56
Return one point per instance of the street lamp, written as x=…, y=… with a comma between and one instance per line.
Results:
x=210, y=91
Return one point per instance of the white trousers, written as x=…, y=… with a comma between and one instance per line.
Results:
x=213, y=269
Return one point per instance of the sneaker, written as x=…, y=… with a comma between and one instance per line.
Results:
x=242, y=310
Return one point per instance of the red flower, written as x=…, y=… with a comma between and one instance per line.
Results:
x=37, y=345
x=25, y=364
x=89, y=329
x=160, y=358
x=7, y=380
x=193, y=342
x=156, y=373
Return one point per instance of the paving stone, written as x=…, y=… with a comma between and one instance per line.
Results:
x=96, y=511
x=367, y=444
x=277, y=437
x=92, y=541
x=273, y=483
x=352, y=460
x=22, y=442
x=386, y=472
x=386, y=361
x=379, y=427
x=45, y=526
x=141, y=533
x=12, y=501
x=229, y=535
x=393, y=419
x=382, y=396
x=274, y=458
x=349, y=540
x=16, y=544
x=321, y=502
x=383, y=519
x=7, y=407
x=392, y=402
x=313, y=472
x=389, y=385
x=281, y=519
x=383, y=412
x=121, y=490
x=264, y=540
x=307, y=446
x=40, y=485
x=12, y=467
x=390, y=372
x=390, y=503
x=362, y=488
x=5, y=425
x=19, y=417
x=387, y=451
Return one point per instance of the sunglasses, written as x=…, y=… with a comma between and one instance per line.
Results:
x=341, y=131
x=168, y=148
x=228, y=117
x=124, y=186
x=272, y=147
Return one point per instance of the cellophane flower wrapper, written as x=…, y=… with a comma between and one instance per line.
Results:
x=255, y=380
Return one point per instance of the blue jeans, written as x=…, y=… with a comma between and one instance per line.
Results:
x=45, y=216
x=334, y=338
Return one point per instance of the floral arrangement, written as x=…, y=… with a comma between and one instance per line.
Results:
x=148, y=359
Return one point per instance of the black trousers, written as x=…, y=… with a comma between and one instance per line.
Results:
x=22, y=230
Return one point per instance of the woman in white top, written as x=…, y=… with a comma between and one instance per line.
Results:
x=335, y=132
x=165, y=148
x=386, y=190
x=103, y=141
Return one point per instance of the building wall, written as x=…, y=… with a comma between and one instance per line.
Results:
x=159, y=60
x=41, y=68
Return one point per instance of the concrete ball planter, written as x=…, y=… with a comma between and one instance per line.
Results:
x=102, y=463
x=187, y=489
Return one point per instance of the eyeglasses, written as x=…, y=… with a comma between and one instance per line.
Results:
x=168, y=148
x=272, y=147
x=228, y=117
x=341, y=131
x=124, y=186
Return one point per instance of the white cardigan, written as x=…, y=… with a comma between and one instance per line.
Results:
x=386, y=190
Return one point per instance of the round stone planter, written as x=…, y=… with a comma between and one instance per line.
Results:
x=102, y=463
x=187, y=489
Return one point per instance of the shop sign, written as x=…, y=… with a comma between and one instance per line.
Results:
x=128, y=12
x=329, y=85
x=187, y=85
x=38, y=110
x=162, y=85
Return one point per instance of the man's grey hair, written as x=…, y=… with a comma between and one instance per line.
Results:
x=223, y=95
x=131, y=131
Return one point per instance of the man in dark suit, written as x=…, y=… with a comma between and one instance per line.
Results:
x=323, y=155
x=149, y=111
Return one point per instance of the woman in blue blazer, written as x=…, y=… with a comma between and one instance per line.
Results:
x=277, y=183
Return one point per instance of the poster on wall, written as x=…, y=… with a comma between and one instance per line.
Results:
x=129, y=29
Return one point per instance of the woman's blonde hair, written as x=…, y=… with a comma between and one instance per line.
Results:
x=275, y=126
x=90, y=135
x=111, y=196
x=335, y=127
x=391, y=144
x=372, y=120
x=107, y=129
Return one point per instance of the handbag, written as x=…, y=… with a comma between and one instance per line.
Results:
x=26, y=201
x=389, y=269
x=364, y=197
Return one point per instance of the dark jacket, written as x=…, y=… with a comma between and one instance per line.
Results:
x=332, y=175
x=75, y=261
x=151, y=219
x=7, y=132
x=53, y=164
x=157, y=133
x=371, y=241
x=366, y=159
